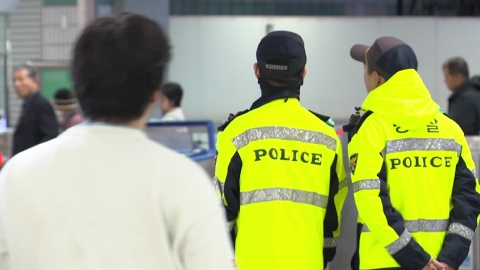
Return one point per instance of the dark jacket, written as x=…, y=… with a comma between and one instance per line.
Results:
x=70, y=119
x=464, y=107
x=37, y=124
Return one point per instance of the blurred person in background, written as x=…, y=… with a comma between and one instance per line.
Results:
x=37, y=122
x=476, y=78
x=70, y=113
x=102, y=195
x=279, y=169
x=170, y=102
x=464, y=102
x=412, y=171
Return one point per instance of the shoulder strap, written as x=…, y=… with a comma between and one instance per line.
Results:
x=231, y=117
x=324, y=118
x=444, y=113
x=362, y=119
x=356, y=121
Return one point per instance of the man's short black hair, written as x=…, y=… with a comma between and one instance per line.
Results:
x=457, y=65
x=118, y=65
x=174, y=92
x=279, y=80
x=31, y=72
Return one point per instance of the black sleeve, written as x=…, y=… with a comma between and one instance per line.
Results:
x=410, y=255
x=330, y=223
x=232, y=187
x=47, y=122
x=463, y=217
x=232, y=193
x=464, y=112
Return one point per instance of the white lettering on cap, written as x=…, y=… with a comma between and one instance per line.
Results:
x=276, y=67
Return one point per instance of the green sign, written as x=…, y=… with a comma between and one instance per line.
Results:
x=59, y=2
x=54, y=79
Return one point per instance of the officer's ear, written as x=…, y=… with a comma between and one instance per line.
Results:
x=379, y=80
x=304, y=73
x=256, y=69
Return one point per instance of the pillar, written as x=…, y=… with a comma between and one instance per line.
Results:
x=86, y=11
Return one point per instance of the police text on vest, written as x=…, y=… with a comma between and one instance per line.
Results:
x=289, y=155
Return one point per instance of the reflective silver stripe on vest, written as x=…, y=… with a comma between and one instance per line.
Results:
x=421, y=225
x=366, y=184
x=474, y=172
x=217, y=185
x=462, y=230
x=284, y=133
x=430, y=144
x=400, y=243
x=283, y=194
x=342, y=184
x=425, y=225
x=330, y=242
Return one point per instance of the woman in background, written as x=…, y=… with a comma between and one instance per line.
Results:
x=64, y=102
x=170, y=100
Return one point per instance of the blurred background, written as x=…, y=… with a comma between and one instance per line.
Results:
x=214, y=44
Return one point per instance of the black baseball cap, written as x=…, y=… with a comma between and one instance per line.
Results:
x=281, y=54
x=387, y=56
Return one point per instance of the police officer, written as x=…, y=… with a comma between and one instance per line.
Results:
x=279, y=168
x=412, y=171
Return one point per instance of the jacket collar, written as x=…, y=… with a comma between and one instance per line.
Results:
x=284, y=93
x=103, y=129
x=28, y=101
x=403, y=100
x=271, y=93
x=459, y=91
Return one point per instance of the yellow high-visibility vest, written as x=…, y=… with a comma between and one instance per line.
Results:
x=280, y=175
x=414, y=179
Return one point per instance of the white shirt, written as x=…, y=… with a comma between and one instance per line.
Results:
x=175, y=114
x=105, y=197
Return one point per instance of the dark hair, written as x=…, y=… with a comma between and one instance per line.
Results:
x=64, y=93
x=279, y=78
x=118, y=65
x=457, y=65
x=31, y=72
x=174, y=92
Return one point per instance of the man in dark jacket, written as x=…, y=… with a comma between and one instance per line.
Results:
x=464, y=103
x=37, y=122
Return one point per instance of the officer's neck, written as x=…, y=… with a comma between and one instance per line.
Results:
x=269, y=90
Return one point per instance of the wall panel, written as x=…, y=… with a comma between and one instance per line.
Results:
x=59, y=31
x=213, y=58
